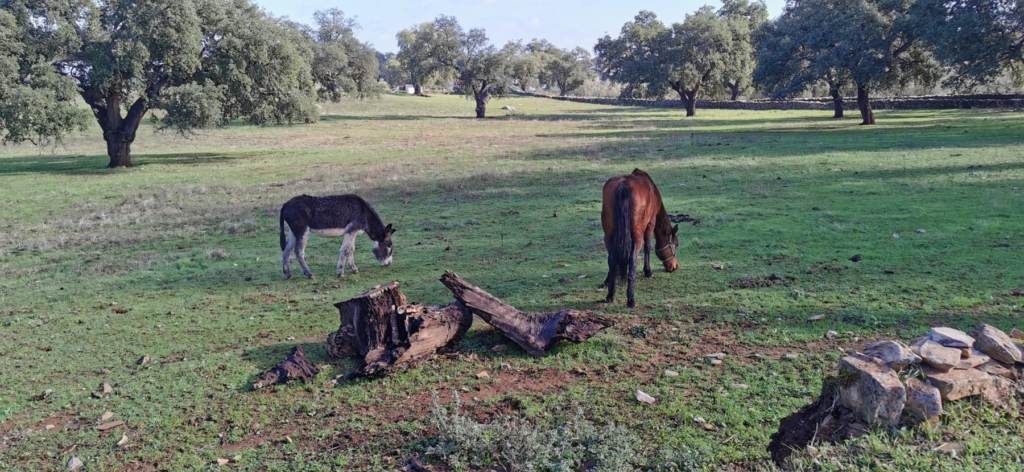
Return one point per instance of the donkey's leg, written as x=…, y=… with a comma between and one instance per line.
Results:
x=286, y=254
x=351, y=241
x=300, y=253
x=342, y=257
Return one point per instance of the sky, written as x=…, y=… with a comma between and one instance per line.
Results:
x=566, y=23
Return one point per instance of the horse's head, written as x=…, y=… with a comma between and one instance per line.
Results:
x=668, y=244
x=383, y=249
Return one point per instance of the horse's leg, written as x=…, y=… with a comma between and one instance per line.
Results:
x=609, y=281
x=631, y=274
x=286, y=254
x=648, y=238
x=300, y=253
x=607, y=244
x=631, y=281
x=647, y=258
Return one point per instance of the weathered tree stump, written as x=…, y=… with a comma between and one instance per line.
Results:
x=382, y=329
x=294, y=367
x=535, y=333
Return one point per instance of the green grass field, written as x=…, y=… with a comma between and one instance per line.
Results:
x=177, y=259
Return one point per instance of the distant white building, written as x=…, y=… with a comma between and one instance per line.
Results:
x=407, y=88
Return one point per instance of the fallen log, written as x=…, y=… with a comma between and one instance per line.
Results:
x=383, y=330
x=535, y=333
x=294, y=367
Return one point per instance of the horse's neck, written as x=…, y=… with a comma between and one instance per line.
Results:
x=662, y=224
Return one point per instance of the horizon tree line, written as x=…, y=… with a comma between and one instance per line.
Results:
x=205, y=63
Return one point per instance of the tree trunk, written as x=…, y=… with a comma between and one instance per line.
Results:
x=119, y=149
x=382, y=329
x=691, y=102
x=535, y=333
x=118, y=132
x=864, y=103
x=837, y=103
x=734, y=90
x=481, y=105
x=417, y=89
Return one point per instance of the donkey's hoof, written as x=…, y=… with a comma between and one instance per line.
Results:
x=631, y=304
x=608, y=300
x=287, y=276
x=648, y=274
x=309, y=276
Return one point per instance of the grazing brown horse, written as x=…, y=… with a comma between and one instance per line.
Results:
x=632, y=214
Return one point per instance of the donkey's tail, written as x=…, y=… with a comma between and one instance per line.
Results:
x=281, y=230
x=622, y=234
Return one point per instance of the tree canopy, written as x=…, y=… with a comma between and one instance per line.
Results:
x=203, y=62
x=568, y=70
x=651, y=58
x=744, y=19
x=484, y=71
x=977, y=39
x=873, y=43
x=429, y=49
x=342, y=65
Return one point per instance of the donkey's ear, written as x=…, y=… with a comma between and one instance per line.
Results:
x=389, y=229
x=675, y=229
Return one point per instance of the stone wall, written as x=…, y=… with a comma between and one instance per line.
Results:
x=893, y=103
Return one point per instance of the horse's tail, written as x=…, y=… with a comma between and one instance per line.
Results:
x=281, y=230
x=622, y=234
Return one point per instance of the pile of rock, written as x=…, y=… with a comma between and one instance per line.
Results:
x=890, y=383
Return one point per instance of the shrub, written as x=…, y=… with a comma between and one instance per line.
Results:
x=513, y=444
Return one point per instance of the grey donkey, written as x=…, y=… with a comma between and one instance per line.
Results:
x=338, y=215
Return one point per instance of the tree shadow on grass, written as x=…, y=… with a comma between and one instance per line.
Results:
x=696, y=141
x=97, y=164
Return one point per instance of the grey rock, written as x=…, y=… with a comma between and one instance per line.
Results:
x=643, y=397
x=923, y=401
x=950, y=337
x=999, y=393
x=997, y=344
x=998, y=369
x=871, y=390
x=894, y=354
x=936, y=355
x=75, y=463
x=973, y=360
x=960, y=383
